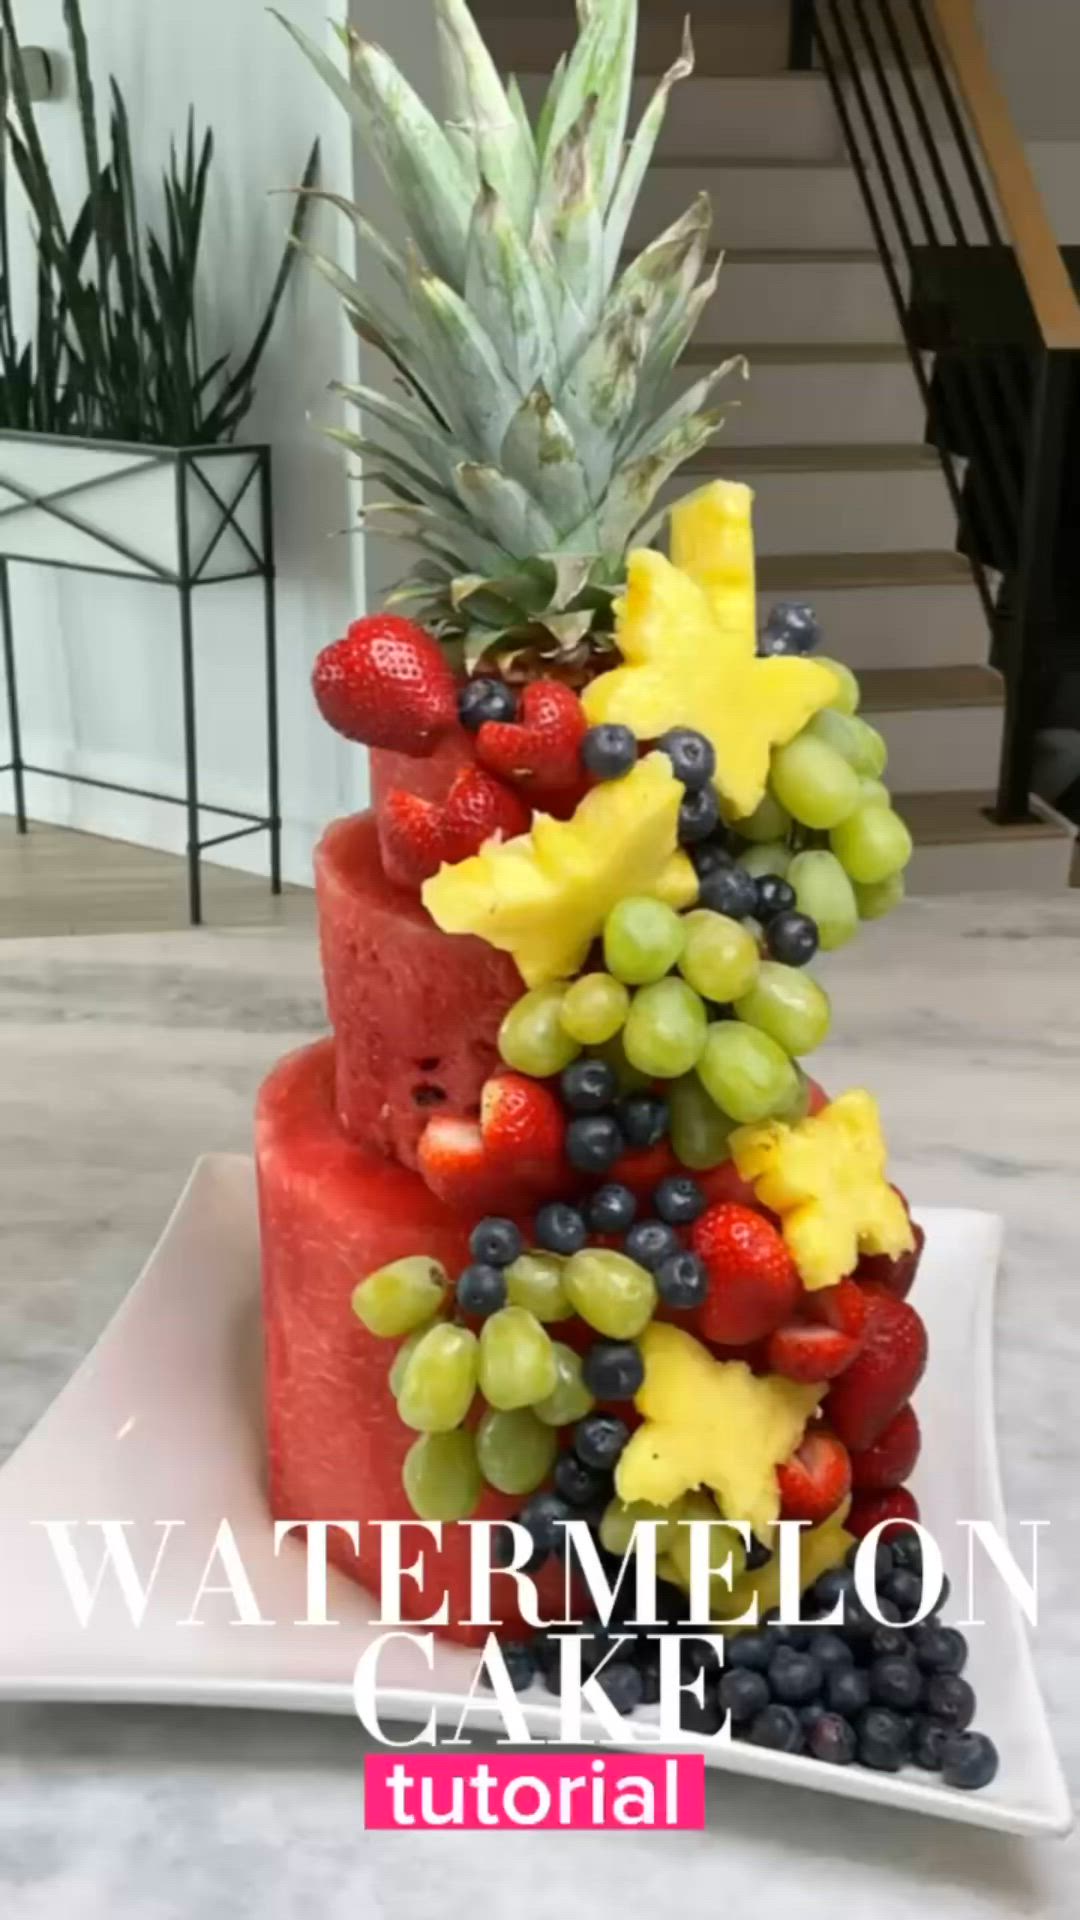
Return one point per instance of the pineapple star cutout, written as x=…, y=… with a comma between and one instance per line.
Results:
x=711, y=1423
x=826, y=1179
x=686, y=630
x=544, y=897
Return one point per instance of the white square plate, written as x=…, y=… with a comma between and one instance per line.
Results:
x=163, y=1422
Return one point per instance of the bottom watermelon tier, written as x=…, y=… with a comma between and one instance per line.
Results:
x=329, y=1214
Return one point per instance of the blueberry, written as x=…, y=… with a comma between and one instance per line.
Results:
x=890, y=1643
x=594, y=1141
x=792, y=938
x=482, y=699
x=699, y=816
x=580, y=1486
x=758, y=1555
x=589, y=1086
x=833, y=1739
x=792, y=627
x=481, y=1290
x=494, y=1242
x=810, y=1713
x=611, y=1209
x=705, y=1718
x=679, y=1200
x=794, y=1677
x=729, y=890
x=613, y=1369
x=940, y=1649
x=883, y=1559
x=832, y=1652
x=968, y=1760
x=743, y=1693
x=621, y=1681
x=896, y=1683
x=907, y=1550
x=904, y=1588
x=682, y=1282
x=543, y=1516
x=847, y=1690
x=650, y=1243
x=596, y=1642
x=698, y=1656
x=751, y=1650
x=599, y=1440
x=950, y=1699
x=559, y=1228
x=928, y=1739
x=649, y=1668
x=883, y=1740
x=644, y=1119
x=778, y=1727
x=609, y=752
x=519, y=1658
x=837, y=1583
x=549, y=1660
x=708, y=856
x=772, y=896
x=692, y=756
x=859, y=1624
x=783, y=1633
x=504, y=1547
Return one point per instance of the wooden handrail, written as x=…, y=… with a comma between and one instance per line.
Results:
x=1050, y=290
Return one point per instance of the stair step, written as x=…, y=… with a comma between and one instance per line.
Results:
x=943, y=725
x=960, y=848
x=920, y=608
x=759, y=203
x=914, y=689
x=744, y=116
x=789, y=573
x=742, y=37
x=824, y=457
x=802, y=396
x=769, y=296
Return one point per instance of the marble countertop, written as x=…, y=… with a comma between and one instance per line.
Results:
x=124, y=1057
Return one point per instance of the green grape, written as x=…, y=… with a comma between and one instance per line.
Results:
x=665, y=1030
x=874, y=793
x=570, y=1399
x=515, y=1450
x=823, y=890
x=722, y=1540
x=594, y=1009
x=439, y=1380
x=535, y=1282
x=699, y=1131
x=818, y=788
x=769, y=821
x=720, y=959
x=620, y=1517
x=532, y=1038
x=841, y=732
x=876, y=901
x=746, y=1072
x=872, y=846
x=773, y=857
x=614, y=1052
x=610, y=1292
x=399, y=1297
x=642, y=940
x=404, y=1355
x=848, y=696
x=874, y=754
x=800, y=1106
x=788, y=1005
x=517, y=1365
x=441, y=1477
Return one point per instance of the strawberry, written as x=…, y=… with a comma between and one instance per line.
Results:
x=809, y=1353
x=870, y=1509
x=504, y=1161
x=815, y=1480
x=889, y=1462
x=884, y=1374
x=540, y=752
x=723, y=1183
x=818, y=1098
x=898, y=1276
x=454, y=1166
x=643, y=1168
x=418, y=835
x=844, y=1307
x=522, y=1128
x=753, y=1284
x=387, y=684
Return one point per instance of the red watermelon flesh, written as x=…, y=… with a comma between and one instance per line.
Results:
x=415, y=1011
x=431, y=778
x=330, y=1214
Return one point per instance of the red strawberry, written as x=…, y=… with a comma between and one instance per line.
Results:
x=418, y=835
x=870, y=1509
x=815, y=1480
x=522, y=1128
x=387, y=684
x=753, y=1284
x=844, y=1307
x=643, y=1169
x=809, y=1353
x=884, y=1374
x=818, y=1098
x=541, y=750
x=898, y=1276
x=724, y=1183
x=890, y=1460
x=454, y=1166
x=412, y=838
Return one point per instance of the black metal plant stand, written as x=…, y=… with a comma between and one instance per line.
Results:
x=235, y=542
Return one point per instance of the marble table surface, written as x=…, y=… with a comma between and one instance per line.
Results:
x=124, y=1057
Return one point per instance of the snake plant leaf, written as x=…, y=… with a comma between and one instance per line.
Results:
x=639, y=156
x=479, y=105
x=469, y=381
x=600, y=68
x=503, y=507
x=503, y=290
x=539, y=450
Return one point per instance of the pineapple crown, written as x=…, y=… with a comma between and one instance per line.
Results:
x=536, y=424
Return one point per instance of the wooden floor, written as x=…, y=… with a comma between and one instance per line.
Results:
x=55, y=881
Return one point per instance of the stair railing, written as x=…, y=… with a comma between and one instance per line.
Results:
x=987, y=310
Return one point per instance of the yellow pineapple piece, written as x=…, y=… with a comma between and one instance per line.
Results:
x=544, y=897
x=686, y=630
x=819, y=1548
x=826, y=1178
x=711, y=1423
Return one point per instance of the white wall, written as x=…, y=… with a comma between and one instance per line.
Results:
x=99, y=668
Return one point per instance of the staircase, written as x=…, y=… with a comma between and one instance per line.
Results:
x=853, y=512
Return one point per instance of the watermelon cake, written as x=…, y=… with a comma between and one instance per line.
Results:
x=557, y=1225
